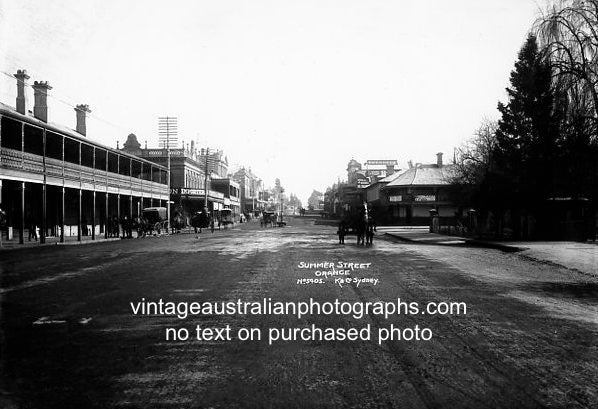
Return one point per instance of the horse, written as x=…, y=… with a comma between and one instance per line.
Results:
x=140, y=224
x=178, y=223
x=200, y=220
x=362, y=226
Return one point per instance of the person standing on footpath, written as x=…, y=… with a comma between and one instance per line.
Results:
x=32, y=228
x=370, y=234
x=341, y=232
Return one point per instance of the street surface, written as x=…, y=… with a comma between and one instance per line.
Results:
x=69, y=338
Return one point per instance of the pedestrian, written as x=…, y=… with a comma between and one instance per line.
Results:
x=84, y=228
x=2, y=217
x=32, y=230
x=212, y=224
x=370, y=234
x=341, y=232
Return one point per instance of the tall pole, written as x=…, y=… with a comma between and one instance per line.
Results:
x=167, y=131
x=168, y=171
x=205, y=184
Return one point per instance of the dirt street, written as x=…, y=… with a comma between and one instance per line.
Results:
x=521, y=334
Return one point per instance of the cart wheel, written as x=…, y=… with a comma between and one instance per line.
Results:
x=157, y=227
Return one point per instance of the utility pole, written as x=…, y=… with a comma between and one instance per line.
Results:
x=167, y=135
x=205, y=184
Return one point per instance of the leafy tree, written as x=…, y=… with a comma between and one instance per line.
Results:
x=507, y=167
x=313, y=202
x=294, y=202
x=528, y=133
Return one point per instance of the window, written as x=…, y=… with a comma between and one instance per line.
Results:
x=100, y=163
x=54, y=145
x=87, y=155
x=71, y=151
x=34, y=140
x=11, y=133
x=136, y=169
x=112, y=162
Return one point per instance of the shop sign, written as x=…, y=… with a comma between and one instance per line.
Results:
x=425, y=198
x=191, y=191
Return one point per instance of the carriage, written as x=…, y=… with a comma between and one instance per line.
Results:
x=268, y=218
x=156, y=219
x=226, y=217
x=200, y=219
x=358, y=223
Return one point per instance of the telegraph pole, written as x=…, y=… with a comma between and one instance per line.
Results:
x=205, y=185
x=167, y=135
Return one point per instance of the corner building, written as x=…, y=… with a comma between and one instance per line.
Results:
x=59, y=181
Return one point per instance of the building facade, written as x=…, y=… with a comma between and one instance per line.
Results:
x=192, y=175
x=418, y=191
x=232, y=194
x=60, y=181
x=251, y=187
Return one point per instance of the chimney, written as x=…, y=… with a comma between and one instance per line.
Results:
x=40, y=95
x=439, y=159
x=22, y=78
x=410, y=163
x=82, y=111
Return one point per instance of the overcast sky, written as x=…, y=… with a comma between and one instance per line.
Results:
x=292, y=89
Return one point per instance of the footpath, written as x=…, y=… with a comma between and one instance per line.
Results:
x=14, y=244
x=52, y=241
x=582, y=257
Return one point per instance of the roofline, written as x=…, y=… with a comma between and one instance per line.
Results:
x=416, y=185
x=7, y=111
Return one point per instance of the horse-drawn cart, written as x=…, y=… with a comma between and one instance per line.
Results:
x=200, y=219
x=226, y=217
x=156, y=218
x=268, y=218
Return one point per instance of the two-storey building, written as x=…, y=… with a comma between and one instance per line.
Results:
x=63, y=183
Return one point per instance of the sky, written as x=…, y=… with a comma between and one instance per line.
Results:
x=291, y=89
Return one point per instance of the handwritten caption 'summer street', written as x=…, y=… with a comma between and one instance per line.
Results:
x=341, y=273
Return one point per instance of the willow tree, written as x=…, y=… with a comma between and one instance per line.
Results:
x=568, y=32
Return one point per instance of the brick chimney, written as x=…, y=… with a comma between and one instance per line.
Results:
x=22, y=78
x=439, y=159
x=40, y=95
x=82, y=111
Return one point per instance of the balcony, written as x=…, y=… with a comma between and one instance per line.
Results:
x=30, y=166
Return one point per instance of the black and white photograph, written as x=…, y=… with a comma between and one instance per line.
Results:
x=298, y=204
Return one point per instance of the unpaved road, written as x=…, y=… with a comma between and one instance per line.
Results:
x=69, y=339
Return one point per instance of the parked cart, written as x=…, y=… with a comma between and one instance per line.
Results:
x=157, y=219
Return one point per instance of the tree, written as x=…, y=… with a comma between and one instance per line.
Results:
x=294, y=202
x=569, y=32
x=507, y=167
x=473, y=159
x=528, y=132
x=474, y=163
x=313, y=202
